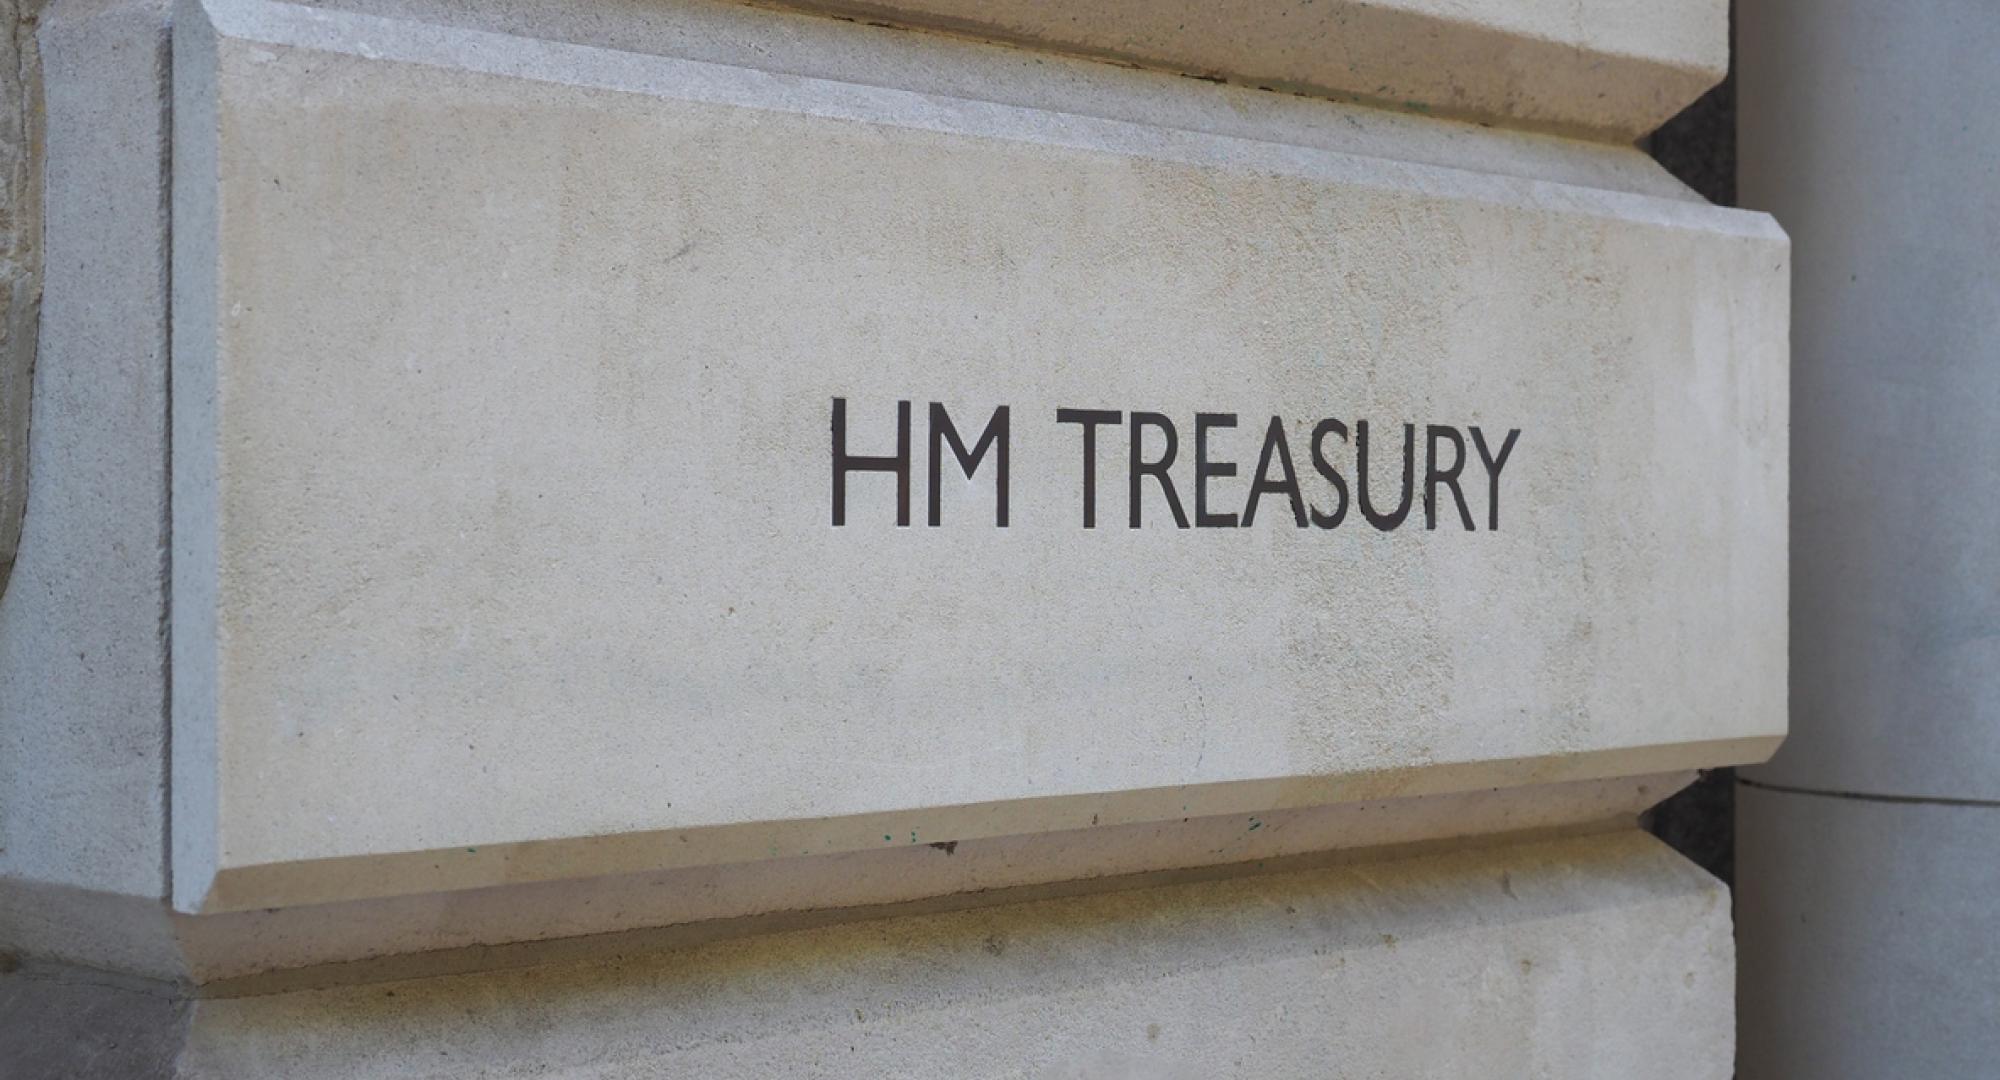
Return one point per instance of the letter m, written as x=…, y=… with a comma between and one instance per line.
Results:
x=994, y=438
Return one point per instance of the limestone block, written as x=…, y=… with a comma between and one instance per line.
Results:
x=1604, y=956
x=510, y=377
x=787, y=41
x=539, y=922
x=1613, y=67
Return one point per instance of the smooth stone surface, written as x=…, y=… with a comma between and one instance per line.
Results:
x=1613, y=67
x=1896, y=594
x=1601, y=956
x=534, y=579
x=1870, y=940
x=83, y=722
x=92, y=928
x=1867, y=885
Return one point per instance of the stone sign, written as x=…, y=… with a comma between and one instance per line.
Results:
x=592, y=462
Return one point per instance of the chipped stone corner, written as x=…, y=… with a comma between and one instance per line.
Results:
x=20, y=258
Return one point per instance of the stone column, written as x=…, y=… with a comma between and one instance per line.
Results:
x=1869, y=847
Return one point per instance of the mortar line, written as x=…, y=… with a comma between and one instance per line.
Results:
x=1862, y=796
x=164, y=74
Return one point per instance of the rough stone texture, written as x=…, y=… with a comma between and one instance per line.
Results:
x=1614, y=68
x=20, y=258
x=817, y=47
x=814, y=46
x=535, y=922
x=93, y=928
x=82, y=629
x=527, y=923
x=1577, y=955
x=1590, y=956
x=71, y=1024
x=530, y=923
x=1604, y=956
x=1869, y=936
x=643, y=279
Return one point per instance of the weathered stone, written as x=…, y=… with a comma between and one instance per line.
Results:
x=1869, y=935
x=1612, y=67
x=541, y=922
x=1601, y=956
x=58, y=1022
x=1573, y=957
x=20, y=259
x=632, y=604
x=504, y=375
x=83, y=721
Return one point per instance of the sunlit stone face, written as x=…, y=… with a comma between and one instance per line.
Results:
x=588, y=462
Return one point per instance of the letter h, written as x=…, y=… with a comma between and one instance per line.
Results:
x=844, y=463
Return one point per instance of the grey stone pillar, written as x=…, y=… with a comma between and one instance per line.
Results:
x=1869, y=848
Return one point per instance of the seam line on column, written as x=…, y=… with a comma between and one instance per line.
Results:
x=1924, y=800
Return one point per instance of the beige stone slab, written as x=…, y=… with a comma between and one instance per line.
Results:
x=504, y=373
x=1593, y=957
x=441, y=932
x=792, y=42
x=1616, y=68
x=453, y=930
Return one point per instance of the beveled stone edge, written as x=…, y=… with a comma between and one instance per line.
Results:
x=451, y=47
x=656, y=937
x=349, y=878
x=1615, y=91
x=525, y=924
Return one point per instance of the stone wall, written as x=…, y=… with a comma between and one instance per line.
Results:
x=739, y=539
